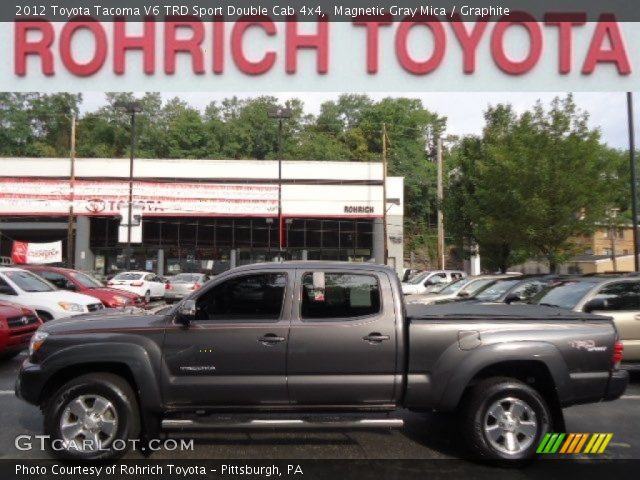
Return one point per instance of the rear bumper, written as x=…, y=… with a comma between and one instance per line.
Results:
x=617, y=385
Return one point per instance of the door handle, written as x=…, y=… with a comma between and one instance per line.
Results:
x=375, y=337
x=270, y=339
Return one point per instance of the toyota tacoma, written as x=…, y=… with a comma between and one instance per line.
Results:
x=316, y=345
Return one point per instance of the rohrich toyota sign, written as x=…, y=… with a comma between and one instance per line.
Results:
x=556, y=50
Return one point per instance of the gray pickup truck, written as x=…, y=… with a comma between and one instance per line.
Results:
x=316, y=345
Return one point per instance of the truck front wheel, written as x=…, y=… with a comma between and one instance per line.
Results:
x=504, y=419
x=93, y=416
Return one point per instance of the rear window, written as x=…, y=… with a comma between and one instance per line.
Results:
x=328, y=296
x=128, y=276
x=186, y=277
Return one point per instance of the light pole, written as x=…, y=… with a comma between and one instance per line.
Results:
x=130, y=108
x=634, y=186
x=281, y=114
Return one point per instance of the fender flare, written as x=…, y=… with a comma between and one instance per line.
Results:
x=456, y=380
x=134, y=357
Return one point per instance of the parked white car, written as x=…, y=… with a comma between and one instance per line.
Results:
x=430, y=281
x=23, y=287
x=146, y=285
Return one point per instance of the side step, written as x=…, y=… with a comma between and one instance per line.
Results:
x=307, y=423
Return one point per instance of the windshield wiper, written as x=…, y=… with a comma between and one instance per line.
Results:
x=548, y=305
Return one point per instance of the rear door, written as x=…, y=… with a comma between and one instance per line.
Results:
x=342, y=342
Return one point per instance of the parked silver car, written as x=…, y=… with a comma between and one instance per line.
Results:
x=465, y=287
x=181, y=285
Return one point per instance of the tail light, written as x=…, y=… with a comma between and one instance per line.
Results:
x=137, y=284
x=167, y=286
x=196, y=286
x=616, y=358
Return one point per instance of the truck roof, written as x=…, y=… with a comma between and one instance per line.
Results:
x=311, y=264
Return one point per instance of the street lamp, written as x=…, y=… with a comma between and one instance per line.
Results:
x=281, y=114
x=131, y=108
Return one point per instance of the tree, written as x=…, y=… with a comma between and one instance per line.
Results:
x=530, y=184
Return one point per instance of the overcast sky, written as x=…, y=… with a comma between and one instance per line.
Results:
x=608, y=111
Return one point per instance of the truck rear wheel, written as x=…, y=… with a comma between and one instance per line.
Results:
x=504, y=419
x=93, y=416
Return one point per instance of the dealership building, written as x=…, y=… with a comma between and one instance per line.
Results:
x=203, y=215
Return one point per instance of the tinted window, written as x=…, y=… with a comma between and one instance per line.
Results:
x=453, y=287
x=248, y=298
x=528, y=290
x=436, y=279
x=566, y=295
x=58, y=280
x=29, y=282
x=621, y=296
x=339, y=295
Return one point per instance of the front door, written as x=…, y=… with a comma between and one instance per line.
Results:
x=234, y=352
x=342, y=347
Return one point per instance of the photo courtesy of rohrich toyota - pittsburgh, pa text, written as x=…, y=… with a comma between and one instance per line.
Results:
x=319, y=239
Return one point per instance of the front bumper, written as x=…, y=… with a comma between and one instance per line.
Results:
x=30, y=382
x=617, y=385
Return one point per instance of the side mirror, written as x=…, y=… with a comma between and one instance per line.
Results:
x=187, y=312
x=6, y=290
x=511, y=298
x=595, y=304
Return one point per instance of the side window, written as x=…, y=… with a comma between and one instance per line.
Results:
x=621, y=296
x=327, y=296
x=456, y=276
x=58, y=280
x=436, y=279
x=149, y=277
x=250, y=298
x=528, y=290
x=5, y=288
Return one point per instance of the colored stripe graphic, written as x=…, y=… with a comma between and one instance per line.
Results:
x=573, y=443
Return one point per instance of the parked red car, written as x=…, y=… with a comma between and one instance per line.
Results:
x=68, y=279
x=17, y=325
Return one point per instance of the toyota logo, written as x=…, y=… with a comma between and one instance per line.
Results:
x=96, y=205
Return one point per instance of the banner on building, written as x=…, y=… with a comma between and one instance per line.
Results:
x=29, y=252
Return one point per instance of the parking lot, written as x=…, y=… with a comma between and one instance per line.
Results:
x=425, y=436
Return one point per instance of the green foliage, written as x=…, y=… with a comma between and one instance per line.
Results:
x=530, y=183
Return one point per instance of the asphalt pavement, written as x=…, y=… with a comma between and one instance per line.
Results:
x=425, y=436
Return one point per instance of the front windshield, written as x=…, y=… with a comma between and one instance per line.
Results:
x=454, y=287
x=476, y=285
x=495, y=291
x=128, y=276
x=566, y=295
x=85, y=280
x=418, y=278
x=28, y=282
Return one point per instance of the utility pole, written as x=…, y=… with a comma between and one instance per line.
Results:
x=131, y=108
x=280, y=114
x=440, y=197
x=634, y=193
x=72, y=181
x=384, y=191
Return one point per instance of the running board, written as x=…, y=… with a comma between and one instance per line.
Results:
x=284, y=424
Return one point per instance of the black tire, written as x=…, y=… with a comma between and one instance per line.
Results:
x=475, y=416
x=169, y=301
x=147, y=296
x=109, y=386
